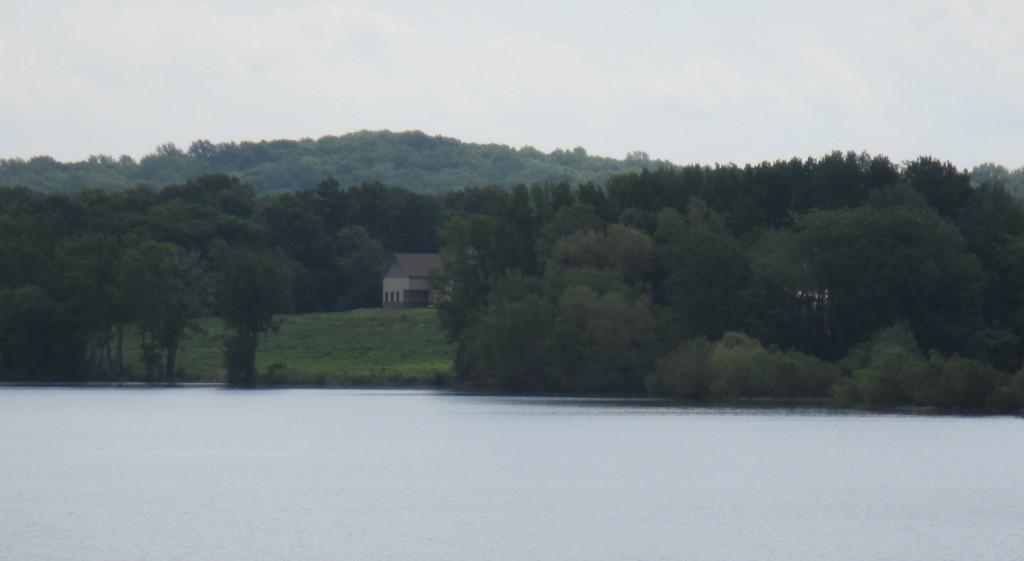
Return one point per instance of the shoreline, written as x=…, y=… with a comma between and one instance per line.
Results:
x=754, y=403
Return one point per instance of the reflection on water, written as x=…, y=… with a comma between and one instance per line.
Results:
x=108, y=474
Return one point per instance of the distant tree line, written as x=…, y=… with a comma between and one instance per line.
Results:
x=414, y=160
x=846, y=277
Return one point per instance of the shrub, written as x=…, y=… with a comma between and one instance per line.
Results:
x=739, y=366
x=684, y=373
x=966, y=384
x=885, y=372
x=796, y=375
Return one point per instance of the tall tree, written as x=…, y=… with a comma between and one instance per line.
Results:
x=168, y=290
x=879, y=266
x=704, y=268
x=93, y=286
x=39, y=340
x=254, y=287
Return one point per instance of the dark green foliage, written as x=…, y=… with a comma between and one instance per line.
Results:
x=890, y=371
x=1012, y=396
x=883, y=265
x=548, y=286
x=839, y=181
x=541, y=336
x=965, y=384
x=945, y=187
x=684, y=373
x=568, y=220
x=360, y=262
x=470, y=273
x=738, y=366
x=813, y=257
x=512, y=347
x=39, y=340
x=704, y=268
x=653, y=189
x=584, y=325
x=254, y=288
x=95, y=288
x=165, y=290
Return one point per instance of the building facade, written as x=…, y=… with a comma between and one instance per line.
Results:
x=407, y=281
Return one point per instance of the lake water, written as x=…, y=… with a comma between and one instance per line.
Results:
x=211, y=474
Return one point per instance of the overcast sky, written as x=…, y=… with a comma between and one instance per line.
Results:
x=688, y=81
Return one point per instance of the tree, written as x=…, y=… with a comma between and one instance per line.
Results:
x=566, y=221
x=168, y=289
x=880, y=266
x=254, y=287
x=573, y=330
x=704, y=269
x=512, y=346
x=945, y=187
x=783, y=304
x=39, y=340
x=360, y=264
x=93, y=286
x=624, y=251
x=607, y=341
x=469, y=274
x=837, y=180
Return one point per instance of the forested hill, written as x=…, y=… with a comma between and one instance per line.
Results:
x=413, y=160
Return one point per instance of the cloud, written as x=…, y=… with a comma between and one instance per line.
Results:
x=519, y=67
x=186, y=70
x=704, y=82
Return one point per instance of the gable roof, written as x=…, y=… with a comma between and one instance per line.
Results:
x=418, y=264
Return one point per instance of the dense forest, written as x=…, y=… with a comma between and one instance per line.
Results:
x=847, y=278
x=414, y=160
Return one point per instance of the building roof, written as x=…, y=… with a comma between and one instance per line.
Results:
x=418, y=264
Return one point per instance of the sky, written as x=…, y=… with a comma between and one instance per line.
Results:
x=719, y=81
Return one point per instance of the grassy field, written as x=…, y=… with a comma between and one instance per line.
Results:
x=370, y=347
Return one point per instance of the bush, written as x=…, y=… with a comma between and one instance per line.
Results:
x=684, y=373
x=891, y=371
x=966, y=384
x=796, y=375
x=885, y=372
x=738, y=366
x=1011, y=396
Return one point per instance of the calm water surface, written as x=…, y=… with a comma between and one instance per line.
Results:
x=208, y=474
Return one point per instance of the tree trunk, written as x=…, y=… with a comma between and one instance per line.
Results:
x=172, y=354
x=108, y=361
x=120, y=352
x=250, y=374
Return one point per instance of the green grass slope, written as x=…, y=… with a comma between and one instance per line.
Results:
x=369, y=347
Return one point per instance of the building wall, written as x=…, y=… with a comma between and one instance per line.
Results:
x=419, y=284
x=393, y=289
x=400, y=290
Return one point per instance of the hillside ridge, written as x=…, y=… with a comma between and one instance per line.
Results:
x=411, y=159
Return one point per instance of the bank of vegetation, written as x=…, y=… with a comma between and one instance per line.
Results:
x=846, y=278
